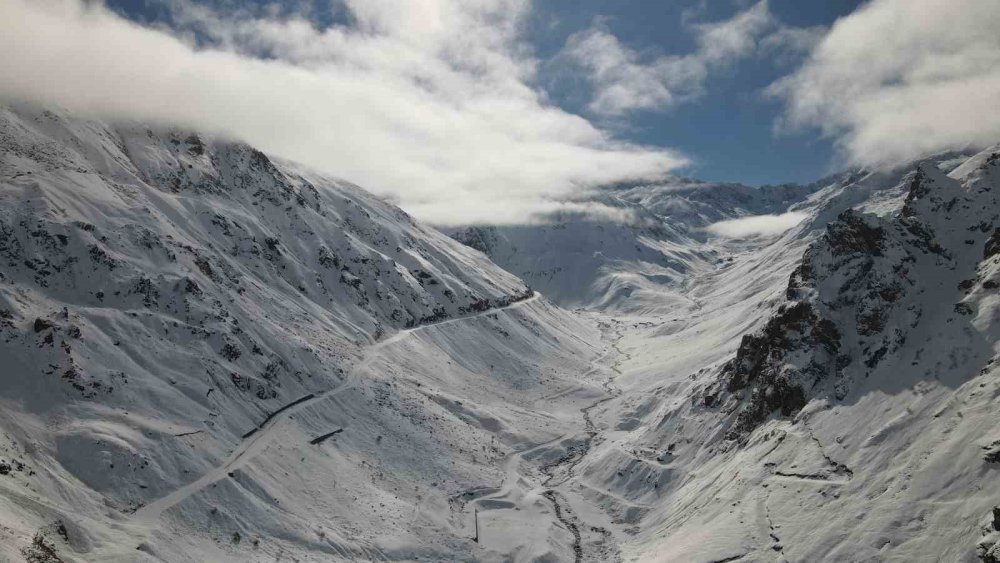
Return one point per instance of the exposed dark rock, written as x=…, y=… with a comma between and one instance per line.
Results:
x=191, y=286
x=147, y=289
x=328, y=259
x=273, y=245
x=870, y=322
x=476, y=237
x=195, y=146
x=477, y=306
x=917, y=189
x=758, y=364
x=803, y=276
x=851, y=233
x=923, y=235
x=40, y=551
x=861, y=269
x=992, y=245
x=792, y=323
x=350, y=279
x=230, y=352
x=992, y=454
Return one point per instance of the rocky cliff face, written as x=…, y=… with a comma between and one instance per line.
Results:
x=868, y=292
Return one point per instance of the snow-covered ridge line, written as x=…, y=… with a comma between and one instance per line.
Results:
x=160, y=209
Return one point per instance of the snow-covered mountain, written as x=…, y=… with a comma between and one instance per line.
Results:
x=175, y=310
x=839, y=405
x=638, y=260
x=209, y=354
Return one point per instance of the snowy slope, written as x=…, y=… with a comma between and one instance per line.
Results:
x=182, y=316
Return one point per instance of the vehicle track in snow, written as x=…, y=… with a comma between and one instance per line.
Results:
x=257, y=439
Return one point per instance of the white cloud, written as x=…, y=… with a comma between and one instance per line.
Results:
x=426, y=101
x=900, y=79
x=789, y=44
x=756, y=225
x=622, y=81
x=524, y=212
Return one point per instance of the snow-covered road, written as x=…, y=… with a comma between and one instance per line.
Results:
x=256, y=441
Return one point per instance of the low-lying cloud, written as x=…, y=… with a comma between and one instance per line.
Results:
x=900, y=79
x=426, y=101
x=756, y=225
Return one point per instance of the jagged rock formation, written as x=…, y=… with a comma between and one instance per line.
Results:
x=863, y=288
x=764, y=363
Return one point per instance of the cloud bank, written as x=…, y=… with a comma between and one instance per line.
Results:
x=425, y=101
x=900, y=79
x=435, y=103
x=622, y=81
x=756, y=225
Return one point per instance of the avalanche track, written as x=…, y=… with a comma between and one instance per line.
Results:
x=257, y=439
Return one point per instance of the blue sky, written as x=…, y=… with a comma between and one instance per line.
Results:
x=729, y=130
x=504, y=111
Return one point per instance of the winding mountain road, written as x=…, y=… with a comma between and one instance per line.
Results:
x=255, y=441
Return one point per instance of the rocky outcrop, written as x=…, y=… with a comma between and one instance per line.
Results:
x=859, y=292
x=992, y=245
x=481, y=238
x=988, y=548
x=761, y=369
x=855, y=234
